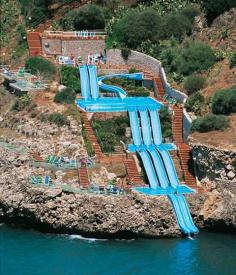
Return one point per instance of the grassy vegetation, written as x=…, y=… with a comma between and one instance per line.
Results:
x=166, y=123
x=194, y=83
x=110, y=132
x=210, y=122
x=88, y=144
x=224, y=101
x=66, y=95
x=39, y=65
x=132, y=87
x=23, y=102
x=70, y=77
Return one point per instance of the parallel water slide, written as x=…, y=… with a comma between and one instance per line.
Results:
x=147, y=138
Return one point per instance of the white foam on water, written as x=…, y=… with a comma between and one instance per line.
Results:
x=80, y=237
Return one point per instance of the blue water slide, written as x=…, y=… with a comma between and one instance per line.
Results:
x=146, y=127
x=186, y=213
x=179, y=214
x=93, y=81
x=118, y=90
x=84, y=79
x=135, y=129
x=156, y=126
x=160, y=169
x=169, y=166
x=149, y=168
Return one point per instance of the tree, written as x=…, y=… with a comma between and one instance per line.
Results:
x=40, y=65
x=194, y=57
x=88, y=17
x=214, y=8
x=137, y=26
x=70, y=78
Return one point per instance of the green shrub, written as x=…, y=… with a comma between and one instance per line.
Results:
x=194, y=83
x=175, y=25
x=195, y=103
x=70, y=77
x=214, y=8
x=21, y=103
x=133, y=70
x=224, y=101
x=67, y=95
x=39, y=65
x=194, y=57
x=190, y=12
x=58, y=119
x=88, y=17
x=109, y=132
x=210, y=122
x=125, y=53
x=87, y=143
x=137, y=26
x=166, y=123
x=232, y=60
x=139, y=91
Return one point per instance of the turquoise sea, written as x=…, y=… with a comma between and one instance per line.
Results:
x=28, y=252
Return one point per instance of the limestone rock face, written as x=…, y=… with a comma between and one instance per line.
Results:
x=214, y=164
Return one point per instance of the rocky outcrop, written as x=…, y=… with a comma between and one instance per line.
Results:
x=214, y=164
x=104, y=216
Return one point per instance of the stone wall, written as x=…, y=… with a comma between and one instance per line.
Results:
x=136, y=60
x=73, y=47
x=180, y=97
x=212, y=164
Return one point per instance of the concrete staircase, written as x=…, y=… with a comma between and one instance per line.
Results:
x=83, y=177
x=183, y=148
x=158, y=86
x=87, y=126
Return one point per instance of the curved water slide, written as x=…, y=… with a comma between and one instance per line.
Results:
x=114, y=89
x=93, y=81
x=149, y=168
x=85, y=83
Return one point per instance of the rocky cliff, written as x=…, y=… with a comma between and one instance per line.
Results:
x=130, y=215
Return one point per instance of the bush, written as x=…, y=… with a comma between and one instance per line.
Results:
x=137, y=26
x=194, y=57
x=88, y=17
x=166, y=122
x=67, y=95
x=214, y=8
x=195, y=103
x=175, y=25
x=58, y=119
x=139, y=91
x=109, y=132
x=224, y=101
x=21, y=103
x=190, y=12
x=210, y=122
x=125, y=53
x=87, y=143
x=70, y=78
x=194, y=83
x=232, y=60
x=39, y=65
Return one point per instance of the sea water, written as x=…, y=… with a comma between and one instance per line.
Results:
x=28, y=252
